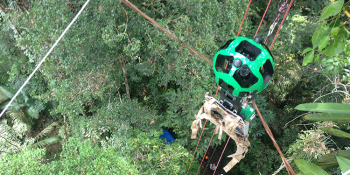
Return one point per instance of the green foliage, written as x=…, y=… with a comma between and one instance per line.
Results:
x=344, y=164
x=333, y=31
x=325, y=107
x=327, y=117
x=309, y=168
x=329, y=161
x=26, y=162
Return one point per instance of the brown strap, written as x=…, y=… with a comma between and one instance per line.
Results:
x=126, y=2
x=288, y=167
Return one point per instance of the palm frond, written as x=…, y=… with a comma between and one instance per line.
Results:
x=3, y=97
x=33, y=112
x=48, y=130
x=7, y=91
x=49, y=141
x=18, y=116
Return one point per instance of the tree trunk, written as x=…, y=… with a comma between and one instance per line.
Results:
x=126, y=81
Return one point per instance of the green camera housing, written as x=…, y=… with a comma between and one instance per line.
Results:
x=244, y=66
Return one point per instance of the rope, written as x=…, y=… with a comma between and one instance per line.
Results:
x=209, y=159
x=132, y=6
x=244, y=18
x=206, y=152
x=262, y=19
x=288, y=167
x=42, y=61
x=197, y=146
x=281, y=10
x=222, y=154
x=285, y=15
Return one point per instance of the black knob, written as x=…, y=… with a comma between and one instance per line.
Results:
x=258, y=39
x=244, y=71
x=237, y=63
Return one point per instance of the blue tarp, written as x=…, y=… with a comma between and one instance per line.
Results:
x=168, y=136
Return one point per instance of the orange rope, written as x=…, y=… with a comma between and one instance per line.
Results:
x=285, y=15
x=206, y=152
x=288, y=167
x=244, y=18
x=197, y=146
x=262, y=19
x=222, y=154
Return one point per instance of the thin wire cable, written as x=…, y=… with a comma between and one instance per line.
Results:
x=206, y=151
x=268, y=131
x=197, y=146
x=262, y=19
x=244, y=18
x=42, y=61
x=210, y=159
x=217, y=165
x=285, y=15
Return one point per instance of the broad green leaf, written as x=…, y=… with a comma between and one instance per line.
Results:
x=317, y=59
x=344, y=164
x=327, y=117
x=334, y=31
x=335, y=23
x=308, y=49
x=309, y=168
x=320, y=32
x=329, y=160
x=325, y=107
x=342, y=35
x=331, y=9
x=323, y=42
x=308, y=58
x=334, y=48
x=335, y=132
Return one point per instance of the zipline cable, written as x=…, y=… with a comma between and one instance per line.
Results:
x=217, y=165
x=43, y=60
x=244, y=18
x=206, y=150
x=281, y=10
x=132, y=6
x=288, y=167
x=210, y=159
x=285, y=15
x=197, y=146
x=262, y=19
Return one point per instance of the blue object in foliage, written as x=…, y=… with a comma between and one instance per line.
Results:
x=168, y=136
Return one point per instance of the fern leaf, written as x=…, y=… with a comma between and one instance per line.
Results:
x=33, y=112
x=48, y=130
x=49, y=141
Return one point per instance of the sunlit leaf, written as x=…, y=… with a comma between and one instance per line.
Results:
x=323, y=43
x=327, y=117
x=320, y=32
x=308, y=49
x=325, y=107
x=335, y=132
x=308, y=58
x=309, y=168
x=344, y=164
x=331, y=9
